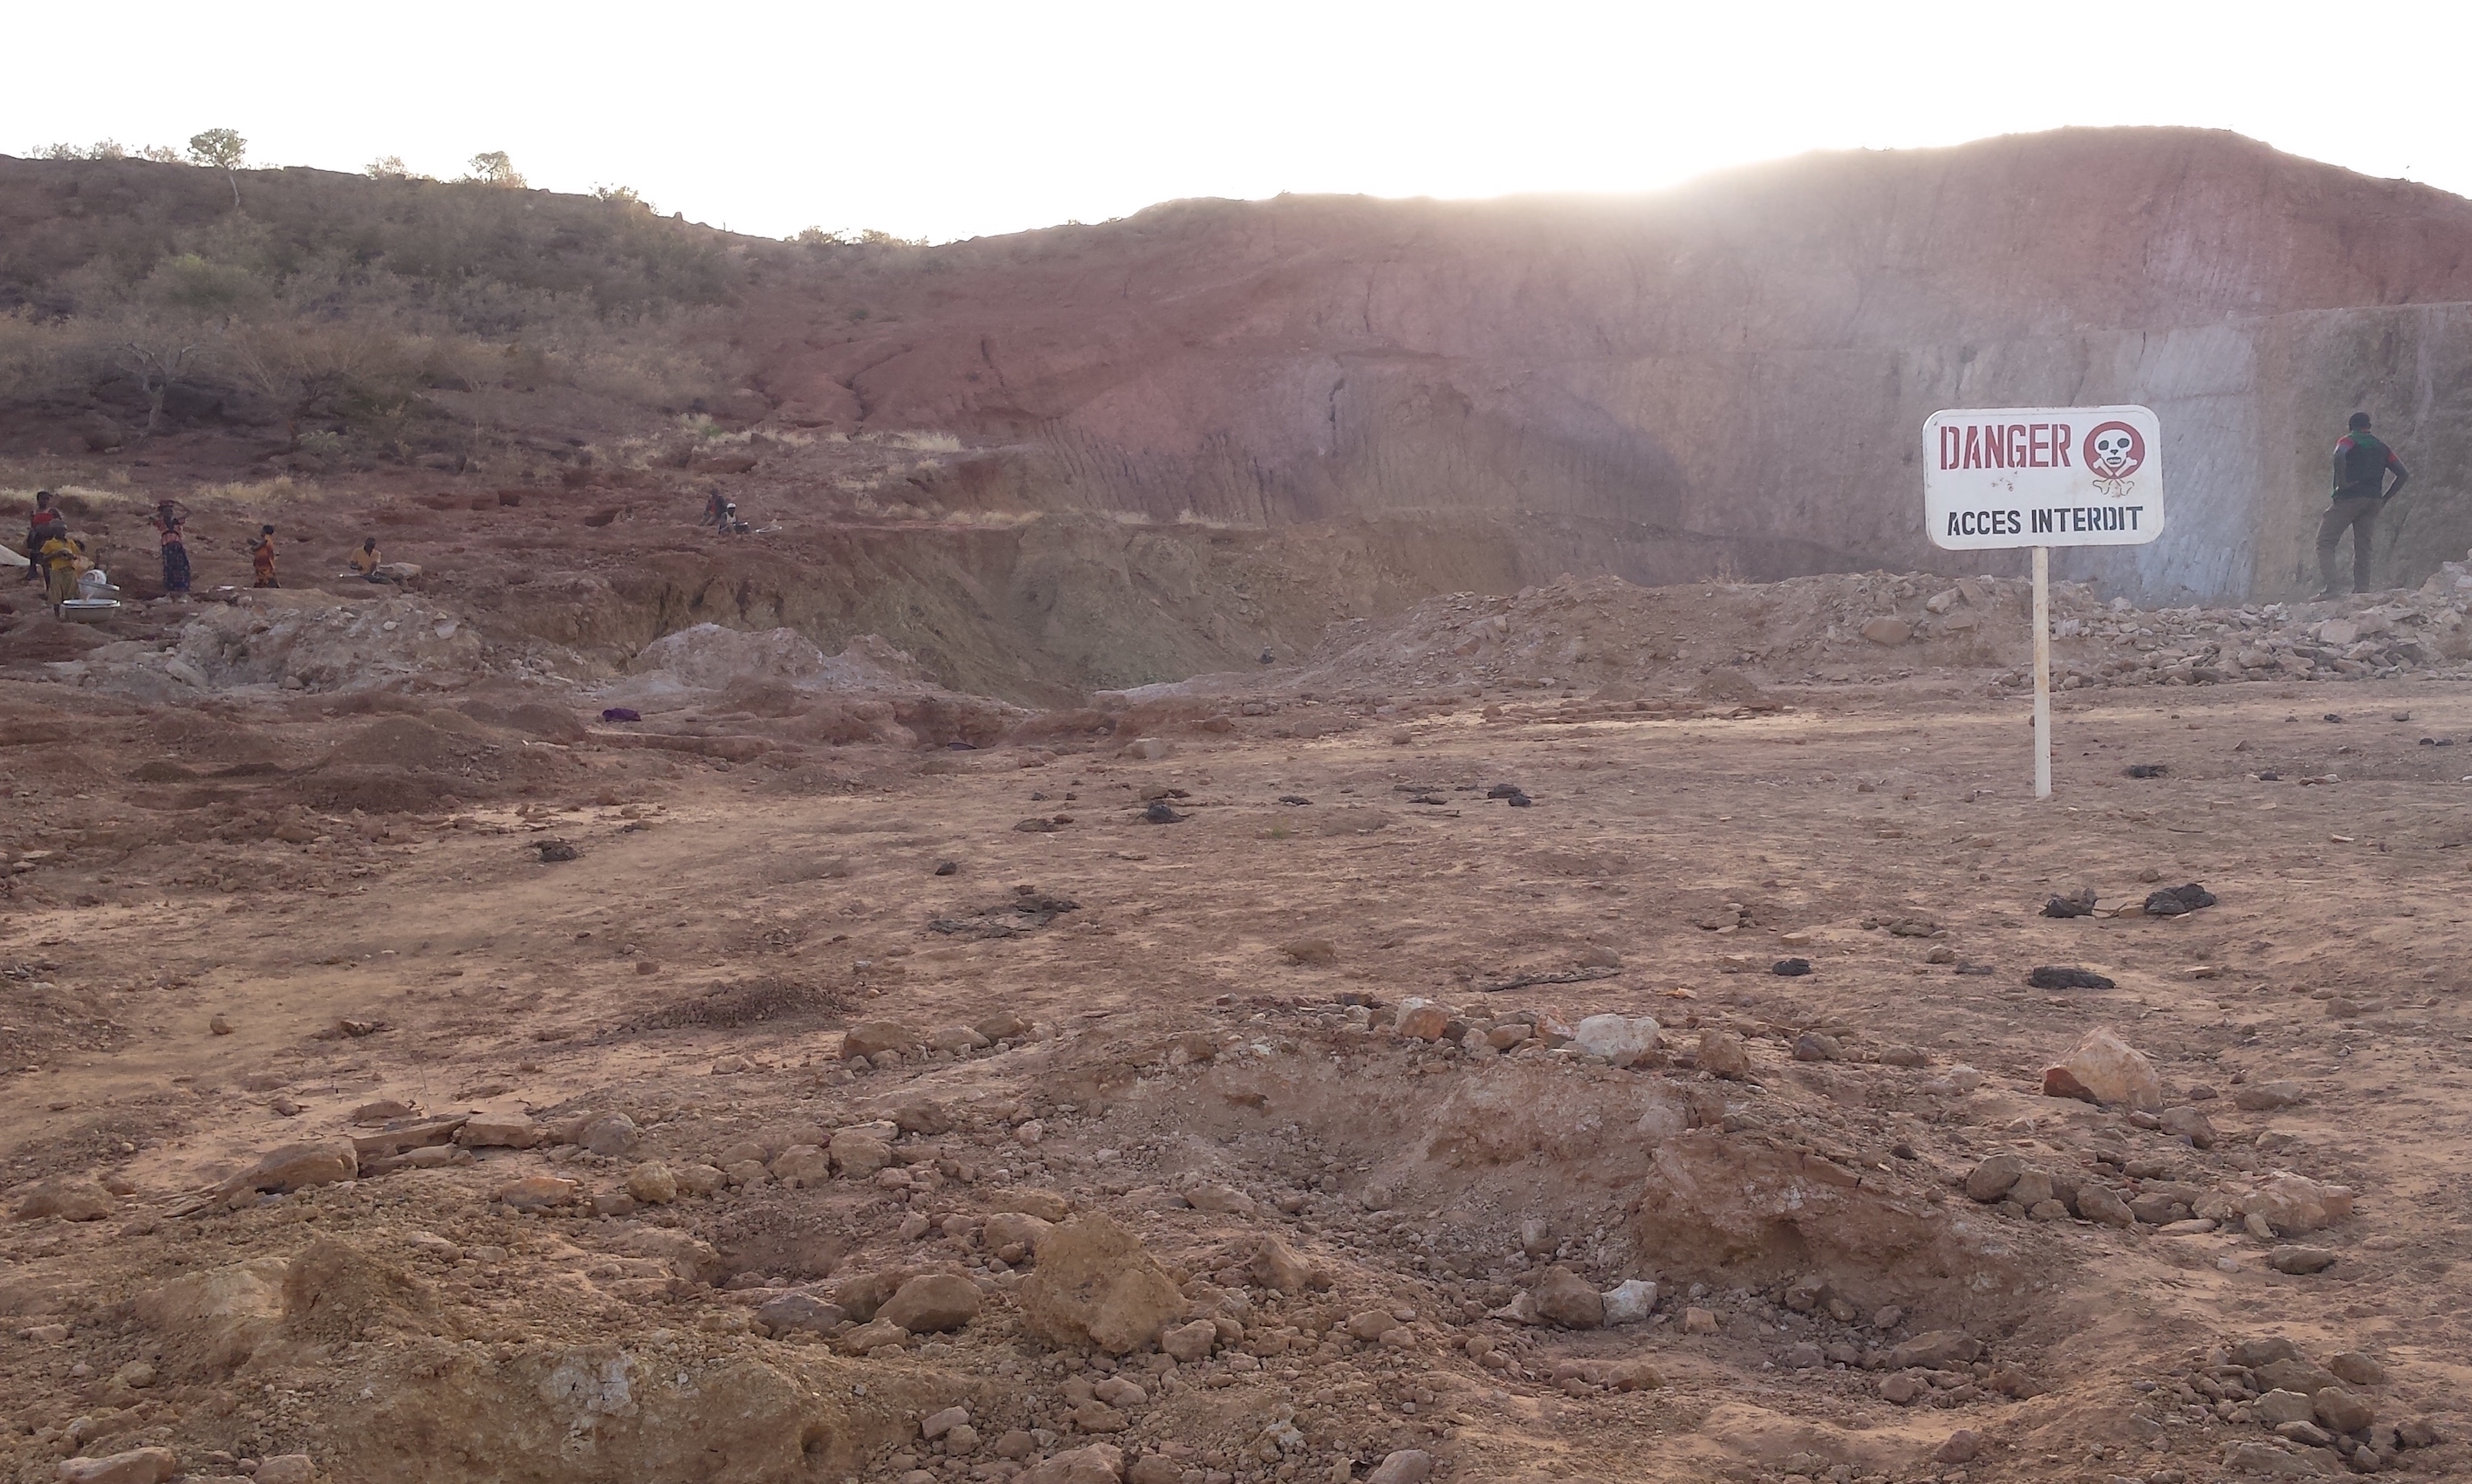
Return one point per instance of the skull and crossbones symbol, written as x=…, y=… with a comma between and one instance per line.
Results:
x=2113, y=452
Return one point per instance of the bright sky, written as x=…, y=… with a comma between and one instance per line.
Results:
x=964, y=118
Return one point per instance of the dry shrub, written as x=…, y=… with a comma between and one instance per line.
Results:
x=741, y=1002
x=259, y=492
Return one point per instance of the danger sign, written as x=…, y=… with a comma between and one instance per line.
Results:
x=2043, y=476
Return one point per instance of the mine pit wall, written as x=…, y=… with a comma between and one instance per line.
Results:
x=1779, y=463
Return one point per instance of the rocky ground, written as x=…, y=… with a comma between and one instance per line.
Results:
x=1411, y=1082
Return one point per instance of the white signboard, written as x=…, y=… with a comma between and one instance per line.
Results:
x=2043, y=476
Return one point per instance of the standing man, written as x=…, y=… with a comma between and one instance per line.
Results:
x=171, y=521
x=2361, y=492
x=261, y=557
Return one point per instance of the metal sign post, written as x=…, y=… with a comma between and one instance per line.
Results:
x=1996, y=478
x=2042, y=672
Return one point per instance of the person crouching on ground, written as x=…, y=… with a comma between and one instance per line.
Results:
x=261, y=557
x=367, y=561
x=171, y=525
x=63, y=557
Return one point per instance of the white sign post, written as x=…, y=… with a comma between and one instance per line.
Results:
x=1999, y=477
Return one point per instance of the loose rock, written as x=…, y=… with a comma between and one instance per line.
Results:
x=1630, y=1301
x=932, y=1303
x=138, y=1466
x=800, y=1311
x=1991, y=1179
x=1408, y=1466
x=1619, y=1039
x=2301, y=1261
x=1722, y=1055
x=2066, y=976
x=538, y=1192
x=2176, y=901
x=2101, y=1205
x=2294, y=1205
x=2185, y=1122
x=872, y=1038
x=68, y=1198
x=1097, y=1464
x=2103, y=1069
x=297, y=1166
x=499, y=1131
x=2344, y=1411
x=2267, y=1097
x=1097, y=1284
x=1566, y=1299
x=1277, y=1266
x=860, y=1156
x=609, y=1134
x=652, y=1184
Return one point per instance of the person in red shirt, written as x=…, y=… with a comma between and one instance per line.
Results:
x=42, y=526
x=261, y=557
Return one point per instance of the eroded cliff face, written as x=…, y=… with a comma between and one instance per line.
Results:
x=1729, y=375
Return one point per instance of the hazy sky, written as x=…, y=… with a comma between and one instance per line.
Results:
x=960, y=119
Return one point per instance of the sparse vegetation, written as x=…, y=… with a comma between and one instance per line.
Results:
x=385, y=317
x=492, y=167
x=223, y=149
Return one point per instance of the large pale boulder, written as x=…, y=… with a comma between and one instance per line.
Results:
x=1097, y=1284
x=2294, y=1204
x=1619, y=1039
x=859, y=1156
x=2103, y=1069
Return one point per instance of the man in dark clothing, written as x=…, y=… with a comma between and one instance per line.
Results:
x=2361, y=492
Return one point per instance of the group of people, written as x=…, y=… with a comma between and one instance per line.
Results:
x=170, y=524
x=54, y=557
x=722, y=516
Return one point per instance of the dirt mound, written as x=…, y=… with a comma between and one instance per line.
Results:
x=39, y=639
x=772, y=665
x=402, y=741
x=312, y=642
x=336, y=1290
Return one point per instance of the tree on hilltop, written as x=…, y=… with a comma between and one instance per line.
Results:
x=223, y=149
x=492, y=167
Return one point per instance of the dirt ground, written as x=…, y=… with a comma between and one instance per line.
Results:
x=1212, y=1032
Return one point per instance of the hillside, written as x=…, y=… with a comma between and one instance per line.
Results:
x=1726, y=373
x=1112, y=455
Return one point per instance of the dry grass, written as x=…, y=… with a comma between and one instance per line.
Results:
x=280, y=491
x=923, y=441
